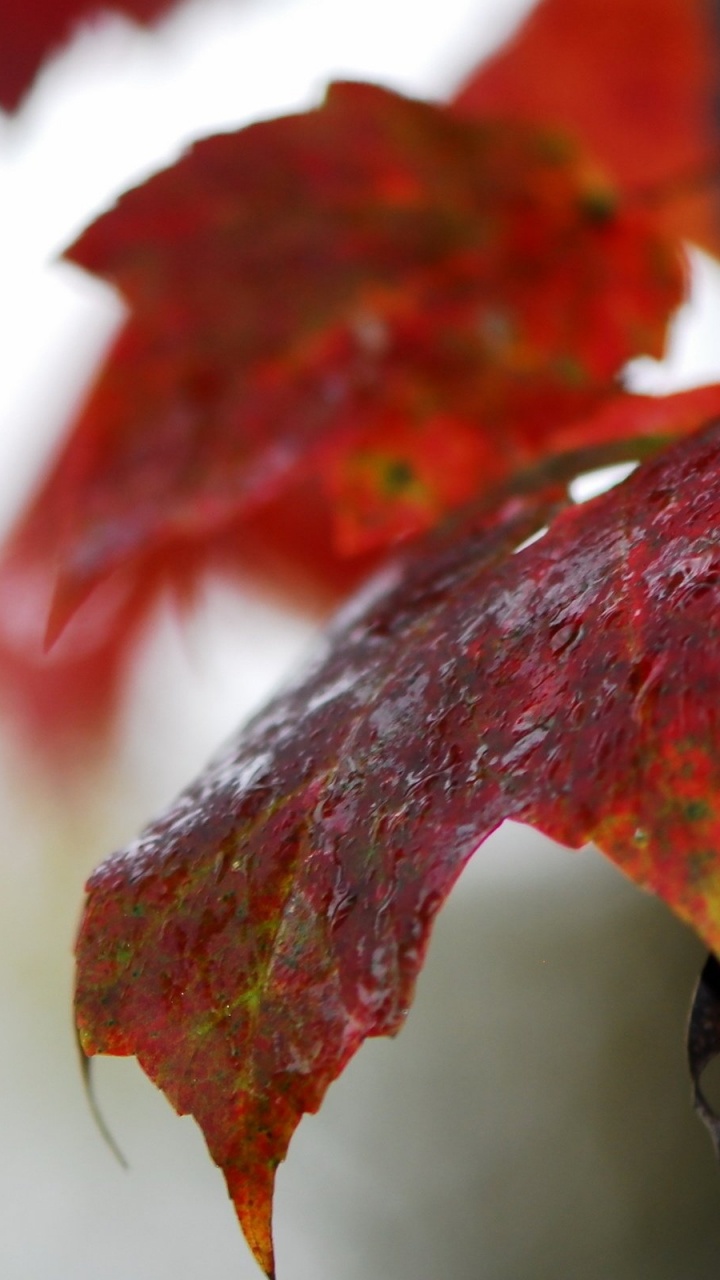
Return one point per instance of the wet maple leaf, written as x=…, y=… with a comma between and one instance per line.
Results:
x=29, y=32
x=636, y=80
x=279, y=911
x=366, y=313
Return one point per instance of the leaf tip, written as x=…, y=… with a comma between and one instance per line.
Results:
x=252, y=1197
x=85, y=1069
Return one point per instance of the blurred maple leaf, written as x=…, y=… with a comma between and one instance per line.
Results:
x=279, y=911
x=364, y=315
x=636, y=80
x=29, y=32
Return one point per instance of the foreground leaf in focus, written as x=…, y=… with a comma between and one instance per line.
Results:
x=279, y=911
x=349, y=322
x=30, y=32
x=635, y=80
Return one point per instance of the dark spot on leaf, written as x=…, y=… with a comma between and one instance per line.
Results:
x=398, y=476
x=696, y=810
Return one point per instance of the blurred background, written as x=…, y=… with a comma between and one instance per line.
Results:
x=532, y=1121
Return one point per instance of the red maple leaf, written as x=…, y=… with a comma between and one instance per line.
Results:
x=356, y=319
x=278, y=913
x=636, y=80
x=29, y=32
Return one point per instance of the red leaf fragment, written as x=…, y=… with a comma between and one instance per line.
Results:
x=636, y=81
x=650, y=421
x=278, y=913
x=374, y=305
x=29, y=32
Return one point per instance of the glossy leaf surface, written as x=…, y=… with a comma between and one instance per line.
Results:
x=278, y=912
x=30, y=32
x=363, y=315
x=636, y=80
